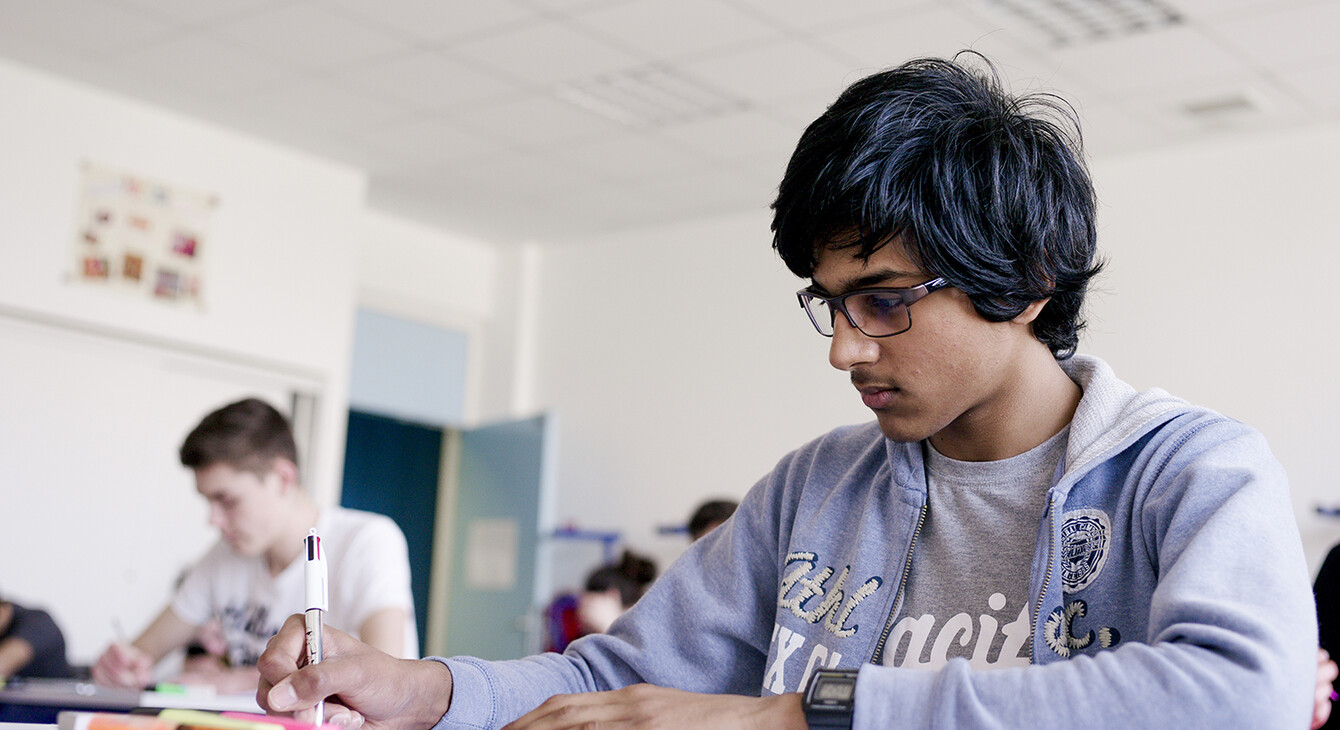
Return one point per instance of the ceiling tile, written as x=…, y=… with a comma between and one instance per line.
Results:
x=935, y=31
x=625, y=155
x=1148, y=61
x=197, y=12
x=543, y=55
x=438, y=20
x=1211, y=9
x=309, y=36
x=808, y=16
x=671, y=30
x=1109, y=129
x=533, y=121
x=78, y=27
x=1317, y=83
x=414, y=143
x=197, y=63
x=318, y=106
x=520, y=174
x=1283, y=37
x=732, y=136
x=774, y=71
x=560, y=7
x=425, y=80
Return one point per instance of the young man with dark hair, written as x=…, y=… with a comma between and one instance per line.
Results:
x=1021, y=540
x=245, y=462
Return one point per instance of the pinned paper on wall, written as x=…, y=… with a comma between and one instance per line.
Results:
x=491, y=548
x=141, y=237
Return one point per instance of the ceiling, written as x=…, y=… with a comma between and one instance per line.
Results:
x=547, y=120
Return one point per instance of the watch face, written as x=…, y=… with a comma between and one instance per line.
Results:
x=834, y=690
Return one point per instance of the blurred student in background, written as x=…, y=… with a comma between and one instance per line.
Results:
x=31, y=644
x=245, y=462
x=613, y=589
x=609, y=591
x=709, y=516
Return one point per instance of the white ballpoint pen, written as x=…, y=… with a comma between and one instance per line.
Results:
x=318, y=602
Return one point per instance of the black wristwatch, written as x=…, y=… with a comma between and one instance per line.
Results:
x=830, y=699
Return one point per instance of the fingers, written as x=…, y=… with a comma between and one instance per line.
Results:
x=123, y=665
x=288, y=686
x=284, y=650
x=568, y=711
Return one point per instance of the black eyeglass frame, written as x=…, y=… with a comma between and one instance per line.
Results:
x=906, y=296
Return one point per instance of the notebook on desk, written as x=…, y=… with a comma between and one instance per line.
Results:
x=39, y=700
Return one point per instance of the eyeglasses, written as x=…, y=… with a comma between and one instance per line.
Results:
x=875, y=312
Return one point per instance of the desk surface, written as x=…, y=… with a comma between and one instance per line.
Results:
x=69, y=694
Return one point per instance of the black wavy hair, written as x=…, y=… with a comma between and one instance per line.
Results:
x=986, y=189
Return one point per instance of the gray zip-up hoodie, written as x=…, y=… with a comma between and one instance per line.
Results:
x=1168, y=587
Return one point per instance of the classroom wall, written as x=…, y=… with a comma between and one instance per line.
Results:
x=682, y=367
x=1220, y=290
x=444, y=280
x=96, y=517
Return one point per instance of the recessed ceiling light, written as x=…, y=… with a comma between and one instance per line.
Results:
x=1226, y=109
x=1065, y=22
x=649, y=96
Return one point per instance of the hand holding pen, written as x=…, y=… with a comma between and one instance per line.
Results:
x=361, y=685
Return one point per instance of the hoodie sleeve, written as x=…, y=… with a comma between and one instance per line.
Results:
x=698, y=628
x=1231, y=637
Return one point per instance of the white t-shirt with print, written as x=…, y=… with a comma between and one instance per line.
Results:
x=368, y=565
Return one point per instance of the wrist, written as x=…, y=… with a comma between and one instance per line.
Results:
x=434, y=689
x=785, y=712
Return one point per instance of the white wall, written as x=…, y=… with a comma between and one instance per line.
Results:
x=279, y=301
x=450, y=281
x=682, y=368
x=1221, y=290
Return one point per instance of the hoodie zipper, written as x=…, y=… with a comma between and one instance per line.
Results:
x=902, y=585
x=1046, y=579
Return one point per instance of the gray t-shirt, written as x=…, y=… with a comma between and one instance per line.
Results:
x=967, y=592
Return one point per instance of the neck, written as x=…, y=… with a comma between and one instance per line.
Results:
x=1029, y=407
x=288, y=546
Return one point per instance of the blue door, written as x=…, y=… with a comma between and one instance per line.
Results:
x=493, y=600
x=391, y=467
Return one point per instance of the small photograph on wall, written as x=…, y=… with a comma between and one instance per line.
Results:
x=141, y=237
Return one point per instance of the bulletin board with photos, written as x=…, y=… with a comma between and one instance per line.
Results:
x=141, y=237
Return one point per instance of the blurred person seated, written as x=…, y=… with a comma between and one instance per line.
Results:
x=709, y=516
x=244, y=459
x=31, y=644
x=610, y=590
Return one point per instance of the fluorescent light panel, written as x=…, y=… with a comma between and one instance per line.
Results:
x=649, y=96
x=1066, y=22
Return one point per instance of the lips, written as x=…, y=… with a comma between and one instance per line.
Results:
x=876, y=395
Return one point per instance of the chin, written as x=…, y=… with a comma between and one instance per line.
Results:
x=903, y=430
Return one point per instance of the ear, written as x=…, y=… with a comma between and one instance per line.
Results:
x=1031, y=312
x=287, y=472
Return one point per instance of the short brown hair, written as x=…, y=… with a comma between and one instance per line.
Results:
x=247, y=435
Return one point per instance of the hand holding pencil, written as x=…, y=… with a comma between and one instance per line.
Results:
x=124, y=665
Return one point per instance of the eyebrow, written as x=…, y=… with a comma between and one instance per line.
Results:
x=873, y=279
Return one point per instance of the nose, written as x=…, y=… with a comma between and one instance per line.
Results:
x=216, y=517
x=850, y=347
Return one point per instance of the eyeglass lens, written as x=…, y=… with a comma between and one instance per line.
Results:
x=876, y=314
